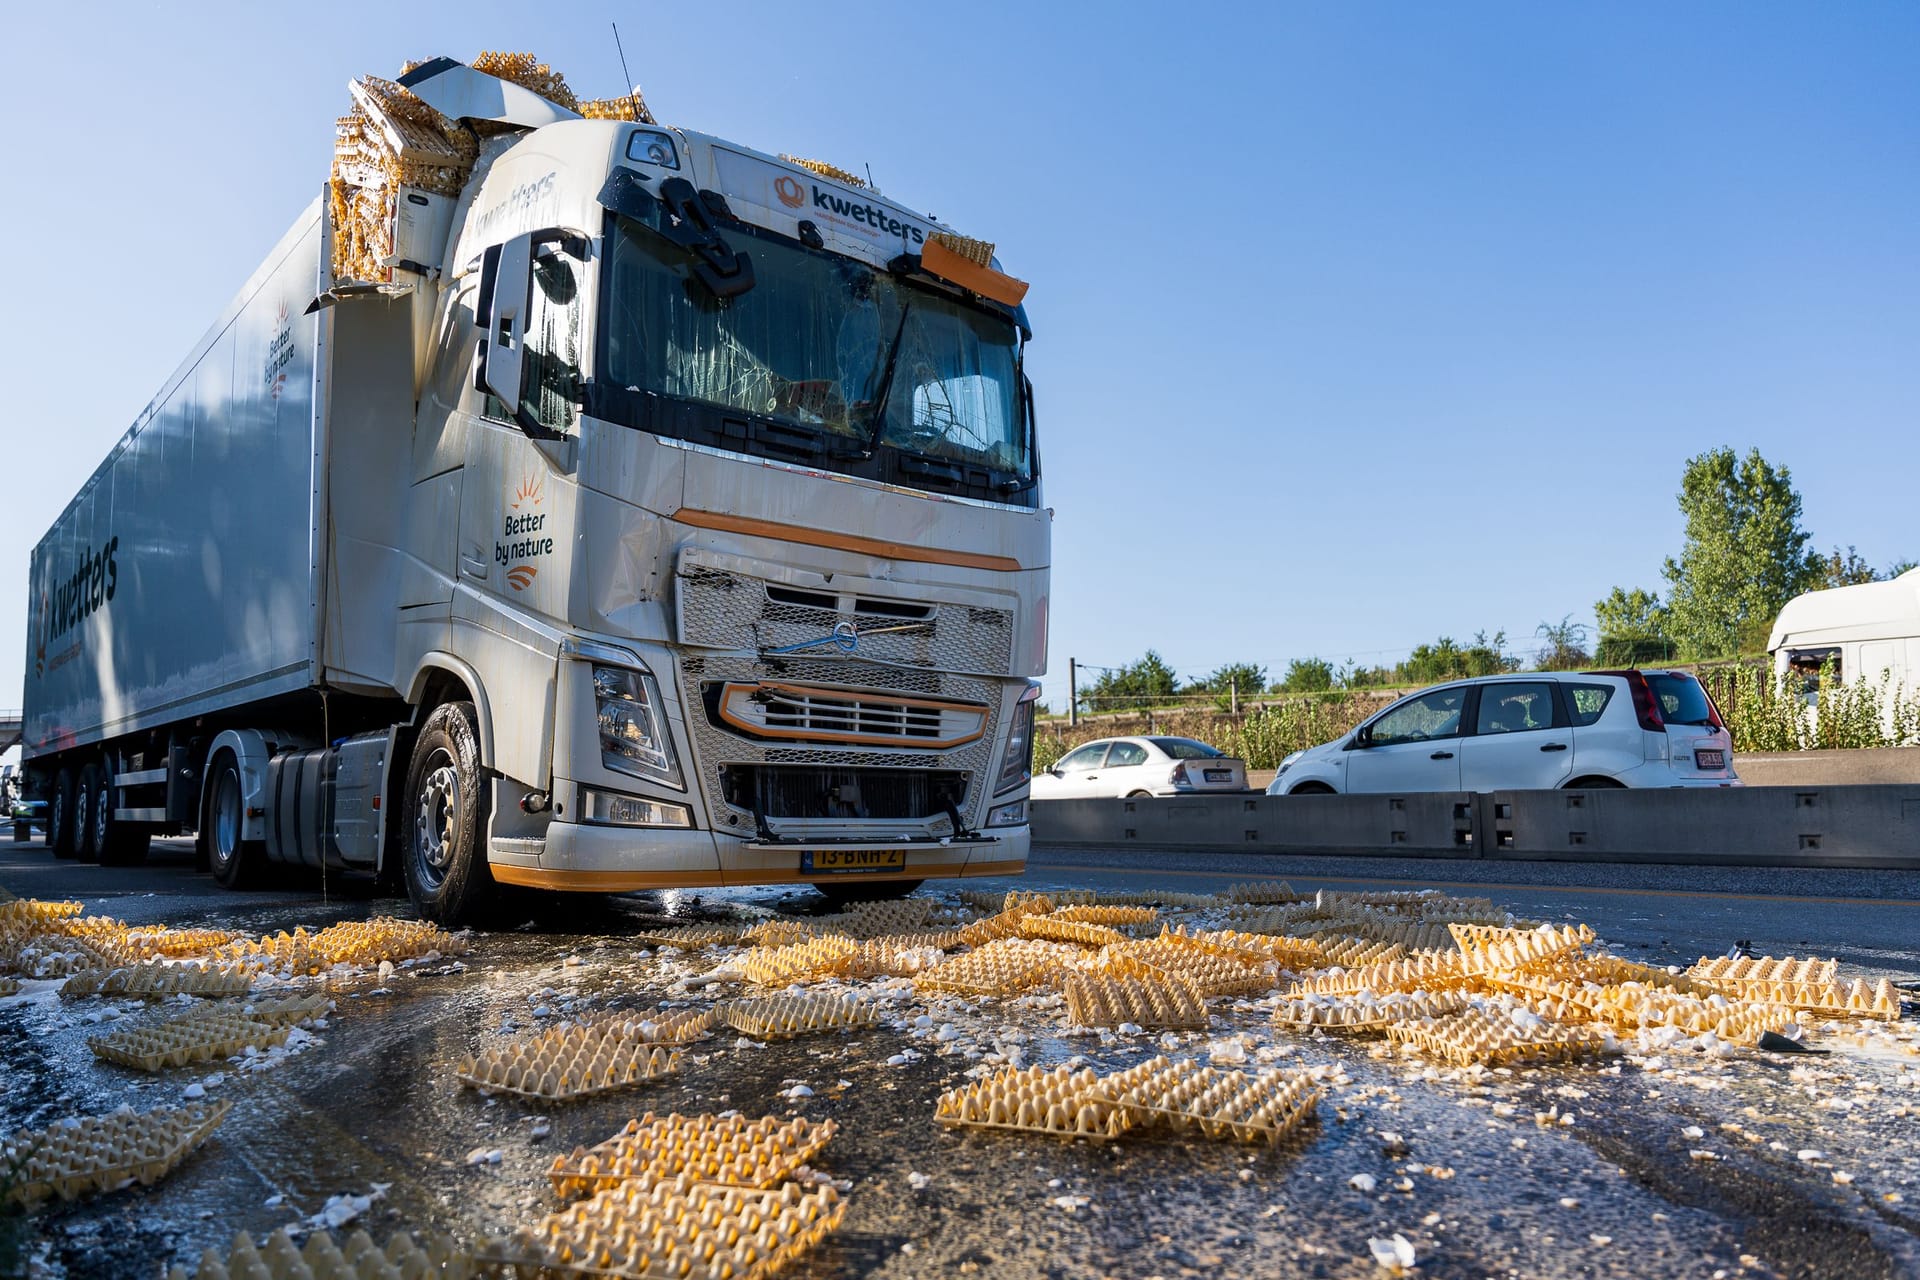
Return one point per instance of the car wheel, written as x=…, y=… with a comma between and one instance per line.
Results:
x=233, y=859
x=446, y=798
x=845, y=895
x=1139, y=795
x=1595, y=784
x=60, y=815
x=1311, y=789
x=90, y=802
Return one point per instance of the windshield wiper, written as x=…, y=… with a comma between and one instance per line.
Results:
x=886, y=383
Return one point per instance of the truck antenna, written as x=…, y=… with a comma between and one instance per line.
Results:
x=624, y=73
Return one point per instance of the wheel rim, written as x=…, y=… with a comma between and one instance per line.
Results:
x=226, y=817
x=100, y=818
x=56, y=819
x=437, y=815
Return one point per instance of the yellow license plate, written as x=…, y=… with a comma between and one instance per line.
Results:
x=816, y=860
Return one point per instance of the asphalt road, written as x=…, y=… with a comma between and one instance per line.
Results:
x=1811, y=1165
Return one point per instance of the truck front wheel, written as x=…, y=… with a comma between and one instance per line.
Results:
x=60, y=815
x=446, y=797
x=233, y=859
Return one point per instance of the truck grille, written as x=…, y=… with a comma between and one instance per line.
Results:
x=802, y=791
x=813, y=713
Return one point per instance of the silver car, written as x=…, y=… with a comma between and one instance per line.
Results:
x=1141, y=767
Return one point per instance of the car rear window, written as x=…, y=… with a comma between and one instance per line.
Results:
x=1585, y=702
x=1186, y=749
x=1682, y=700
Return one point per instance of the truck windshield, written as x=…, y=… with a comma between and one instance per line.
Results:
x=809, y=347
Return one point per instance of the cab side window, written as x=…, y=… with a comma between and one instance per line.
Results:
x=550, y=389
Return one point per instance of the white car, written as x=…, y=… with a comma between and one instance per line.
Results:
x=1140, y=767
x=1532, y=732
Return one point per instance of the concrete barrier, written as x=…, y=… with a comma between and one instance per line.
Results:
x=1875, y=827
x=1868, y=766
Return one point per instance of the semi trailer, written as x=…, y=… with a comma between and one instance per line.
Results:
x=567, y=502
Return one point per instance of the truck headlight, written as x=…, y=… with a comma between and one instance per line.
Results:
x=615, y=810
x=1016, y=768
x=1008, y=815
x=633, y=735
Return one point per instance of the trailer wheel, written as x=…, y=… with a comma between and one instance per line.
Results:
x=233, y=859
x=60, y=815
x=446, y=816
x=90, y=814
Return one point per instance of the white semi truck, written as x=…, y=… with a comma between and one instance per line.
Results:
x=653, y=513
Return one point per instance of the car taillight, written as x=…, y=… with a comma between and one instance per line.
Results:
x=1646, y=707
x=1713, y=710
x=1179, y=775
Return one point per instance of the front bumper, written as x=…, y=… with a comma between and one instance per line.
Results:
x=605, y=859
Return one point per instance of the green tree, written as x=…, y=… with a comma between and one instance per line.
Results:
x=1446, y=660
x=1148, y=682
x=1563, y=645
x=1845, y=569
x=1307, y=675
x=1247, y=678
x=1745, y=554
x=1633, y=629
x=1899, y=567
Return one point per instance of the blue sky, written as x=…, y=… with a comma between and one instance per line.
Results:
x=1357, y=324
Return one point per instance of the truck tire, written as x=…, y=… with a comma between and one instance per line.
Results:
x=233, y=859
x=90, y=801
x=446, y=819
x=60, y=815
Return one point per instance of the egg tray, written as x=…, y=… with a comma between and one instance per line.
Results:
x=1165, y=899
x=1610, y=971
x=785, y=1017
x=1476, y=1037
x=1003, y=967
x=1288, y=952
x=692, y=937
x=1490, y=948
x=178, y=1042
x=1749, y=1021
x=1260, y=893
x=1077, y=932
x=900, y=956
x=680, y=1229
x=1566, y=1001
x=1185, y=1096
x=157, y=982
x=663, y=1026
x=178, y=943
x=1161, y=1003
x=92, y=1154
x=1241, y=948
x=1424, y=972
x=1007, y=923
x=728, y=1151
x=1856, y=999
x=58, y=955
x=289, y=1011
x=1727, y=973
x=355, y=1258
x=1347, y=952
x=1112, y=916
x=1290, y=919
x=631, y=107
x=1210, y=975
x=568, y=1062
x=1347, y=1015
x=779, y=933
x=809, y=961
x=874, y=919
x=1059, y=1101
x=368, y=942
x=1405, y=935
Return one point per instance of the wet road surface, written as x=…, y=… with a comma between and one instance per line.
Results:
x=1806, y=1166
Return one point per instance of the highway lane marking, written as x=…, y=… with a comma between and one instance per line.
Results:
x=1490, y=884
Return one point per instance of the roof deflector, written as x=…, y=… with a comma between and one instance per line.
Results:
x=457, y=91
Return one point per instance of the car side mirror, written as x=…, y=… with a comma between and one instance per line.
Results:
x=1363, y=737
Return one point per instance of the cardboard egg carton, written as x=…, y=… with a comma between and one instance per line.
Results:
x=178, y=943
x=193, y=1037
x=289, y=1011
x=1260, y=893
x=1186, y=1096
x=1346, y=952
x=784, y=1017
x=1610, y=971
x=355, y=1258
x=809, y=961
x=1748, y=1022
x=1113, y=916
x=1210, y=975
x=779, y=933
x=1856, y=999
x=681, y=1229
x=1730, y=973
x=567, y=1062
x=630, y=107
x=59, y=955
x=1076, y=932
x=37, y=912
x=716, y=1150
x=901, y=955
x=1051, y=1100
x=1006, y=924
x=1162, y=1002
x=874, y=919
x=1240, y=948
x=661, y=1026
x=1005, y=966
x=1489, y=948
x=1353, y=1015
x=368, y=942
x=1478, y=1037
x=91, y=1154
x=157, y=982
x=1566, y=1001
x=1407, y=935
x=692, y=937
x=1426, y=971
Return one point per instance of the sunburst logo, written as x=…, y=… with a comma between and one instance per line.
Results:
x=790, y=192
x=528, y=494
x=521, y=576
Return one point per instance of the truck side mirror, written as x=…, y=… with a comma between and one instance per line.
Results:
x=501, y=309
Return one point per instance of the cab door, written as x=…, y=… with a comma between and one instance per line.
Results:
x=1414, y=745
x=1522, y=739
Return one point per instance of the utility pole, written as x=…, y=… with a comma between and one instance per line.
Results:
x=1233, y=694
x=1073, y=695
